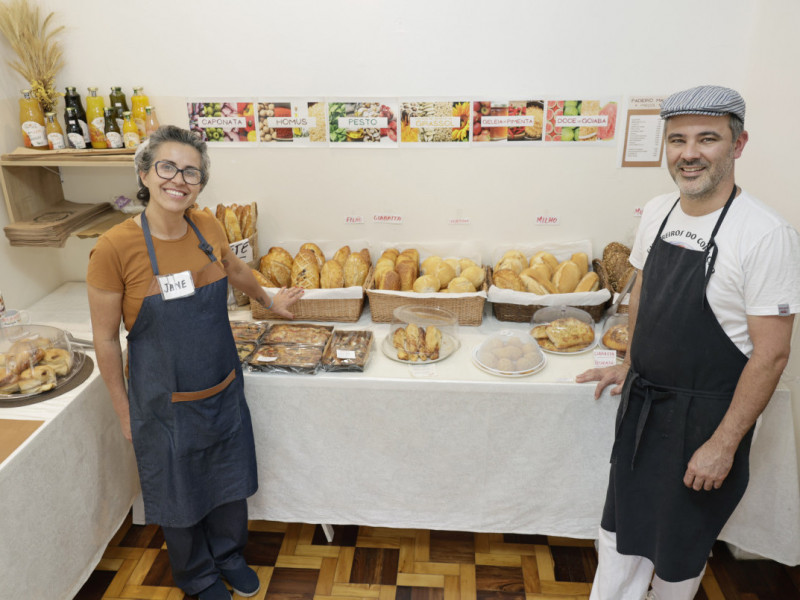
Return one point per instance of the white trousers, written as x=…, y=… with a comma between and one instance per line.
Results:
x=623, y=577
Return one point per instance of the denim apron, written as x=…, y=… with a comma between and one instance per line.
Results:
x=189, y=420
x=683, y=375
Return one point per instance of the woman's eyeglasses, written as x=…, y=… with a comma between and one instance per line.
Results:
x=166, y=170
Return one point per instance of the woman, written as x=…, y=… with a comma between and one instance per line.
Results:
x=166, y=273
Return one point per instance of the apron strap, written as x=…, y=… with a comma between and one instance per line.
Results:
x=711, y=249
x=207, y=248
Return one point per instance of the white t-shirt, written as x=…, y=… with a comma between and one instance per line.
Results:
x=757, y=271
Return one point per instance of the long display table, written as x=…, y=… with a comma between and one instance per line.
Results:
x=441, y=447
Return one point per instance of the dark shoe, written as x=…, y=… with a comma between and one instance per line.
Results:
x=216, y=591
x=243, y=580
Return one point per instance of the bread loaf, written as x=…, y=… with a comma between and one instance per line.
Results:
x=341, y=255
x=305, y=270
x=391, y=253
x=546, y=258
x=332, y=275
x=533, y=286
x=232, y=227
x=390, y=281
x=507, y=279
x=412, y=253
x=317, y=252
x=263, y=280
x=582, y=260
x=407, y=272
x=356, y=269
x=366, y=256
x=273, y=268
x=380, y=272
x=588, y=283
x=566, y=277
x=511, y=262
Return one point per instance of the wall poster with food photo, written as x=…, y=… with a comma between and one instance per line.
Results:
x=517, y=121
x=593, y=121
x=365, y=122
x=224, y=121
x=430, y=121
x=300, y=121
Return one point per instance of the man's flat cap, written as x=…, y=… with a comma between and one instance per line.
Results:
x=704, y=100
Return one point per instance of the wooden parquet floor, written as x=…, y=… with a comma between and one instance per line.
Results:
x=295, y=562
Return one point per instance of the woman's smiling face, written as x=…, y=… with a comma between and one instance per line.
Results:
x=173, y=195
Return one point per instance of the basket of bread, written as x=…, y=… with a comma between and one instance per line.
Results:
x=524, y=280
x=334, y=288
x=428, y=278
x=239, y=223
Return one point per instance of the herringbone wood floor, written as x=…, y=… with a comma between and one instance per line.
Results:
x=295, y=562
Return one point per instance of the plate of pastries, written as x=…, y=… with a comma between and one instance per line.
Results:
x=35, y=359
x=421, y=334
x=563, y=330
x=509, y=354
x=615, y=335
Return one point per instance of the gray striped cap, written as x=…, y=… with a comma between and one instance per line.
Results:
x=711, y=100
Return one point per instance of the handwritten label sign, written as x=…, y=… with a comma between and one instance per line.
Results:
x=354, y=220
x=351, y=354
x=459, y=221
x=396, y=219
x=243, y=250
x=605, y=358
x=547, y=220
x=637, y=212
x=428, y=370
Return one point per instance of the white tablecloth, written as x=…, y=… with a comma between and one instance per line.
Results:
x=447, y=447
x=66, y=490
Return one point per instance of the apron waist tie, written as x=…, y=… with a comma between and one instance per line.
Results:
x=654, y=392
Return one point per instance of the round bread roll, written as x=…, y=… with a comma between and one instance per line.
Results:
x=444, y=273
x=566, y=277
x=588, y=283
x=515, y=254
x=547, y=258
x=466, y=263
x=582, y=260
x=332, y=275
x=507, y=279
x=317, y=252
x=511, y=262
x=426, y=284
x=453, y=262
x=475, y=275
x=616, y=337
x=341, y=255
x=430, y=264
x=460, y=285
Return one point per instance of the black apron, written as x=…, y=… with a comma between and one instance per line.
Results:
x=189, y=419
x=682, y=379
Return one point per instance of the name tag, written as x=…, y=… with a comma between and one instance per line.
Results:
x=176, y=285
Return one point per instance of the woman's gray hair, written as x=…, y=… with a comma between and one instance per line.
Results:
x=145, y=156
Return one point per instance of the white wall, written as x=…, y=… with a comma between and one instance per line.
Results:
x=187, y=48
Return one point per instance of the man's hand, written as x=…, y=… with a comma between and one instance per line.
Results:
x=709, y=465
x=606, y=376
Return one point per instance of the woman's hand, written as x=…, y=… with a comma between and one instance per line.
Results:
x=284, y=299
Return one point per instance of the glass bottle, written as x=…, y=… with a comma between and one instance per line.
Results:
x=55, y=135
x=151, y=120
x=31, y=121
x=74, y=136
x=95, y=114
x=73, y=99
x=118, y=103
x=111, y=129
x=138, y=103
x=130, y=133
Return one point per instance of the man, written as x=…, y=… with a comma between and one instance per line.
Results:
x=711, y=313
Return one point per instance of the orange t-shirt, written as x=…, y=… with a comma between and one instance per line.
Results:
x=119, y=261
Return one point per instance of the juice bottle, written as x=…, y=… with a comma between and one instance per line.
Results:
x=31, y=120
x=74, y=130
x=111, y=130
x=96, y=118
x=73, y=99
x=55, y=135
x=150, y=120
x=138, y=103
x=130, y=133
x=118, y=103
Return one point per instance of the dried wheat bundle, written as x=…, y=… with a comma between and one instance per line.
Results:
x=34, y=42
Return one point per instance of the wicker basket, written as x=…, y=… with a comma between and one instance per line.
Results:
x=346, y=310
x=468, y=309
x=521, y=313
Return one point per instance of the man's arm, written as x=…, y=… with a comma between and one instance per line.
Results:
x=771, y=336
x=616, y=375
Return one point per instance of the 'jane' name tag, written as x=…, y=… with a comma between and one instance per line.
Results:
x=176, y=285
